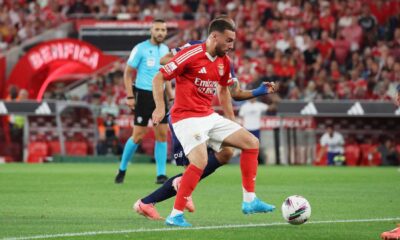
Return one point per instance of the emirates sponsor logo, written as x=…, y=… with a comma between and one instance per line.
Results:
x=206, y=86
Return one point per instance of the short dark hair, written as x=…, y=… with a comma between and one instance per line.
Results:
x=158, y=20
x=226, y=18
x=220, y=25
x=222, y=16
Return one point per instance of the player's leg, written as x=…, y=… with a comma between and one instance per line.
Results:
x=145, y=206
x=198, y=161
x=170, y=187
x=248, y=164
x=130, y=148
x=160, y=152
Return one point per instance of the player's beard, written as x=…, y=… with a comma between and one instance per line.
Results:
x=219, y=51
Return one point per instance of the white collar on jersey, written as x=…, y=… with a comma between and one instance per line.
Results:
x=211, y=58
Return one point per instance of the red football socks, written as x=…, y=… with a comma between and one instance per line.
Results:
x=248, y=166
x=188, y=183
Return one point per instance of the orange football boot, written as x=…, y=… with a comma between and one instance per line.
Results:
x=392, y=235
x=147, y=210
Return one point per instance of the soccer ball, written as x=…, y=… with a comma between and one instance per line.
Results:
x=296, y=210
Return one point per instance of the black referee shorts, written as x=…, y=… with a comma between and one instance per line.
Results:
x=145, y=106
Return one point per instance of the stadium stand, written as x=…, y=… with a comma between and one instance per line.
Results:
x=316, y=50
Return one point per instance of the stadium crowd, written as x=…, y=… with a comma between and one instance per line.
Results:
x=315, y=49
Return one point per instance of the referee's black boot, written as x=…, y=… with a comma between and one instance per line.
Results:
x=161, y=179
x=120, y=176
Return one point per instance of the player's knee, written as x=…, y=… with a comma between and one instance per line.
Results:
x=252, y=142
x=224, y=155
x=200, y=164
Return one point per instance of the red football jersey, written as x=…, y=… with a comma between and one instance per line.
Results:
x=197, y=76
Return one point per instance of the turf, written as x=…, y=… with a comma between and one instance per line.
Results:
x=50, y=199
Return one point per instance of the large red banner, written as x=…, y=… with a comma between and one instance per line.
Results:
x=51, y=60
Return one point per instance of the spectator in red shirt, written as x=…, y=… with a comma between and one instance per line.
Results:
x=382, y=10
x=341, y=48
x=325, y=46
x=353, y=34
x=334, y=71
x=325, y=17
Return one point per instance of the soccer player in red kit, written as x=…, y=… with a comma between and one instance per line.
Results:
x=200, y=72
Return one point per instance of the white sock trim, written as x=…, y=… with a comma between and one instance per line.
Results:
x=175, y=212
x=248, y=196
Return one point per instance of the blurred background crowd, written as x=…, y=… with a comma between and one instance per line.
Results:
x=314, y=49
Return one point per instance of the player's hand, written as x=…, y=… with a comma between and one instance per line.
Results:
x=158, y=115
x=131, y=103
x=271, y=86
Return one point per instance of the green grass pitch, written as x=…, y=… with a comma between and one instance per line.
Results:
x=81, y=201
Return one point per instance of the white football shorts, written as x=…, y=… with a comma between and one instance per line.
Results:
x=196, y=130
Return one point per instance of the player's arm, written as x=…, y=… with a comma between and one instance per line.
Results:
x=169, y=91
x=158, y=95
x=169, y=71
x=225, y=100
x=167, y=57
x=239, y=94
x=164, y=60
x=128, y=81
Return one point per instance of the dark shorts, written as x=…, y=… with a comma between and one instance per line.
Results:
x=144, y=107
x=177, y=149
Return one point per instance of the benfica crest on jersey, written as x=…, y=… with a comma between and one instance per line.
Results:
x=221, y=69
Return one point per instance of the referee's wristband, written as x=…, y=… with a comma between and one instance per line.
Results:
x=130, y=97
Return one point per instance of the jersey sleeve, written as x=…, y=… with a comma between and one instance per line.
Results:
x=134, y=57
x=174, y=51
x=177, y=64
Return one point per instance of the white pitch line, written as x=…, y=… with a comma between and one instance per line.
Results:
x=166, y=229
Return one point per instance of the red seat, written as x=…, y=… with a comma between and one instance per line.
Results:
x=370, y=155
x=37, y=151
x=76, y=148
x=352, y=154
x=55, y=147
